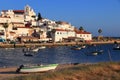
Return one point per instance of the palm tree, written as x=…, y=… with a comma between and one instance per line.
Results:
x=5, y=25
x=100, y=37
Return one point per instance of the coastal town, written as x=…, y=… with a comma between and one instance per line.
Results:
x=27, y=26
x=33, y=47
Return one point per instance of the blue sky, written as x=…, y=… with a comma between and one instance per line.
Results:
x=91, y=14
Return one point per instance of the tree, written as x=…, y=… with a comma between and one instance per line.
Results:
x=81, y=28
x=100, y=37
x=39, y=17
x=5, y=25
x=99, y=31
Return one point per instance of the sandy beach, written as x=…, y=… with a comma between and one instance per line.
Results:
x=9, y=72
x=102, y=71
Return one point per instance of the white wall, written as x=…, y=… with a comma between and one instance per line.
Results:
x=84, y=36
x=59, y=35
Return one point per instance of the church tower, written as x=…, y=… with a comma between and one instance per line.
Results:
x=29, y=13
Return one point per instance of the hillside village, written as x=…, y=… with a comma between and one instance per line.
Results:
x=26, y=26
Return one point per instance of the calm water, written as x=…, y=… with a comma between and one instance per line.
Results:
x=60, y=54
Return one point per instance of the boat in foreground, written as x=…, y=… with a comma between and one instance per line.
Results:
x=38, y=68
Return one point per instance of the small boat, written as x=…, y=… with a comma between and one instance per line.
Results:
x=76, y=47
x=9, y=48
x=116, y=47
x=37, y=68
x=94, y=53
x=35, y=50
x=99, y=51
x=28, y=54
x=42, y=47
x=83, y=46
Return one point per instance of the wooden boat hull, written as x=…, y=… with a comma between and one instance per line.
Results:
x=41, y=68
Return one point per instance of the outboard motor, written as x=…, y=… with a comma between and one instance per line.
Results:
x=18, y=70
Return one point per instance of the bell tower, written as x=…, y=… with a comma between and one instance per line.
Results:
x=28, y=13
x=27, y=10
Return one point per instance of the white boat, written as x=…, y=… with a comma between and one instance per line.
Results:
x=28, y=54
x=94, y=53
x=83, y=46
x=100, y=51
x=76, y=47
x=42, y=47
x=35, y=50
x=38, y=68
x=116, y=47
x=9, y=48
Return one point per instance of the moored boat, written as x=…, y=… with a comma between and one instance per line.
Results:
x=28, y=54
x=76, y=47
x=37, y=68
x=100, y=51
x=35, y=50
x=83, y=46
x=94, y=53
x=42, y=47
x=116, y=47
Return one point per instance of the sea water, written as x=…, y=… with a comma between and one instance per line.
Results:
x=58, y=54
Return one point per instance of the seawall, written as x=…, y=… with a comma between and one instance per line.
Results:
x=55, y=44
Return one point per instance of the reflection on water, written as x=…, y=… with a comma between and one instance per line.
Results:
x=60, y=54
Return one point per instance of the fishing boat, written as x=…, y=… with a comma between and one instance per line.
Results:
x=76, y=47
x=37, y=68
x=28, y=54
x=100, y=51
x=35, y=50
x=94, y=53
x=42, y=47
x=83, y=46
x=116, y=47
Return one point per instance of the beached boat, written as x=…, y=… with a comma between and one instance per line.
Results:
x=37, y=68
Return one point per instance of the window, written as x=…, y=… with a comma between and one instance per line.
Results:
x=14, y=28
x=87, y=35
x=57, y=32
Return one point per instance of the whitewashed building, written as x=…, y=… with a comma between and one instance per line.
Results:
x=86, y=36
x=16, y=19
x=59, y=34
x=24, y=23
